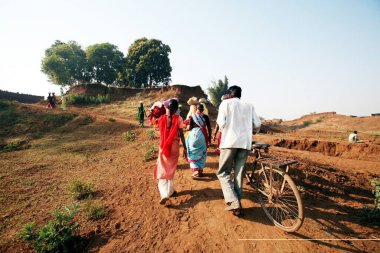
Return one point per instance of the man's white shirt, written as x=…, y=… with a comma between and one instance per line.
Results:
x=236, y=120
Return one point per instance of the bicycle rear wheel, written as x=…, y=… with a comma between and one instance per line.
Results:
x=280, y=199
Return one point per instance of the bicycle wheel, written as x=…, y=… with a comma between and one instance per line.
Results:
x=280, y=199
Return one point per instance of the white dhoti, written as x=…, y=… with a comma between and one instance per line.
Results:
x=166, y=187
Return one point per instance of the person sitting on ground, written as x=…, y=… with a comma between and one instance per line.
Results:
x=197, y=141
x=171, y=130
x=354, y=138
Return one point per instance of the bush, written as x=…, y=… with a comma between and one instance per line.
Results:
x=369, y=214
x=93, y=210
x=151, y=153
x=376, y=184
x=59, y=235
x=80, y=99
x=151, y=133
x=12, y=146
x=306, y=124
x=129, y=136
x=4, y=104
x=80, y=190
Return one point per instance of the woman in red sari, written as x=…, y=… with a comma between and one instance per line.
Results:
x=171, y=130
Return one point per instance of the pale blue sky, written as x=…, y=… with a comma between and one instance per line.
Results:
x=290, y=57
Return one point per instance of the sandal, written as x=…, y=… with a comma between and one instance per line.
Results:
x=163, y=201
x=196, y=174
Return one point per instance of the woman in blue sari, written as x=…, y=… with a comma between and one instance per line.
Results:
x=197, y=141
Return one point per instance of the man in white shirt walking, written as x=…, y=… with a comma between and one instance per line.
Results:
x=237, y=121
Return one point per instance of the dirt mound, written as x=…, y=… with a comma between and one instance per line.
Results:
x=360, y=151
x=149, y=95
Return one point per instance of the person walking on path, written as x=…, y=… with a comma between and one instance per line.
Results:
x=171, y=131
x=141, y=113
x=197, y=141
x=237, y=120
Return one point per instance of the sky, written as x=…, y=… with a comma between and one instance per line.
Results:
x=290, y=57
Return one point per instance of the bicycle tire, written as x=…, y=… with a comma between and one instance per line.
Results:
x=286, y=210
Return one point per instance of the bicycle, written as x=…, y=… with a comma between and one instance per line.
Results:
x=278, y=194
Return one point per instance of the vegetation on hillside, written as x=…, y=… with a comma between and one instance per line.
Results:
x=217, y=90
x=146, y=65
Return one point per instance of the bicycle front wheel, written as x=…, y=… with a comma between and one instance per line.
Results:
x=280, y=199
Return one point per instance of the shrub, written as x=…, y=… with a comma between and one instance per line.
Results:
x=306, y=124
x=151, y=133
x=151, y=153
x=93, y=210
x=4, y=104
x=80, y=190
x=372, y=214
x=129, y=136
x=57, y=236
x=80, y=99
x=376, y=184
x=12, y=146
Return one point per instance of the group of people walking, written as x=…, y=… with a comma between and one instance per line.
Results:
x=236, y=121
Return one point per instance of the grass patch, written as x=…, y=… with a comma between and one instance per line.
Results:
x=59, y=235
x=151, y=133
x=93, y=210
x=150, y=153
x=80, y=190
x=306, y=123
x=129, y=136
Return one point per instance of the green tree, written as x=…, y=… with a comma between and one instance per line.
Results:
x=148, y=63
x=65, y=63
x=105, y=62
x=217, y=90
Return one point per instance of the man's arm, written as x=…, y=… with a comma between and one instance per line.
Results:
x=255, y=121
x=221, y=119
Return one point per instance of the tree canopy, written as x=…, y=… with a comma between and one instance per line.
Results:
x=105, y=62
x=217, y=90
x=65, y=63
x=148, y=63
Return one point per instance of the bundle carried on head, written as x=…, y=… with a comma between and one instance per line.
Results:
x=192, y=101
x=203, y=100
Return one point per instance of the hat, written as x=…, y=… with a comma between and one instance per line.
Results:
x=203, y=100
x=192, y=101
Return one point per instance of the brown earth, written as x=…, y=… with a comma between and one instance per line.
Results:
x=334, y=186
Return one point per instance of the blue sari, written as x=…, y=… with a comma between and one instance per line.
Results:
x=196, y=144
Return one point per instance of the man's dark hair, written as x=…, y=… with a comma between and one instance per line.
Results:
x=173, y=105
x=355, y=132
x=235, y=91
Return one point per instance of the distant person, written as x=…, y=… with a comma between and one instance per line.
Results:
x=354, y=138
x=179, y=111
x=203, y=101
x=141, y=113
x=197, y=141
x=237, y=120
x=50, y=100
x=53, y=100
x=171, y=130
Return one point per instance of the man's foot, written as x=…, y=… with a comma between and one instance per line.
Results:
x=163, y=201
x=232, y=206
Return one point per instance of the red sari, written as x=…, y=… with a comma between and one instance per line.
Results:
x=169, y=147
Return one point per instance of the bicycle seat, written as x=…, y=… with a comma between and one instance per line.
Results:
x=260, y=145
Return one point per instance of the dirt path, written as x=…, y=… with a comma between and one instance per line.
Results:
x=35, y=180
